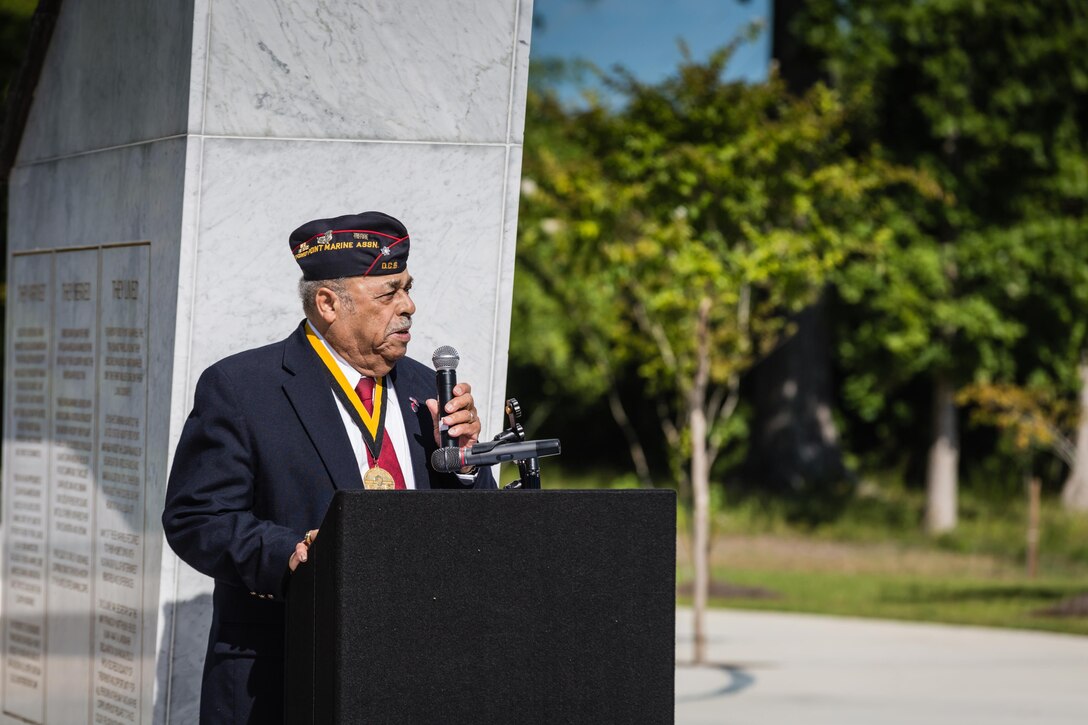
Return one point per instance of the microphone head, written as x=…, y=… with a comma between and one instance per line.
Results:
x=445, y=358
x=446, y=460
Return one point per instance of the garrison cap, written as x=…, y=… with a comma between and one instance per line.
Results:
x=353, y=245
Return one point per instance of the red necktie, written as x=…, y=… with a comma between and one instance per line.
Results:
x=387, y=457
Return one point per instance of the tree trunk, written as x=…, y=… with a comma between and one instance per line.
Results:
x=1075, y=490
x=634, y=446
x=798, y=64
x=944, y=455
x=700, y=483
x=1035, y=488
x=794, y=444
x=794, y=447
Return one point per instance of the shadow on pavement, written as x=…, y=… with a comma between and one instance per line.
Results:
x=738, y=679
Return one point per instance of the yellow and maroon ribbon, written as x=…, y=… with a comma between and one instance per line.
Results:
x=371, y=424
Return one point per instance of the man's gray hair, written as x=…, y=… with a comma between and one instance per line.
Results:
x=307, y=292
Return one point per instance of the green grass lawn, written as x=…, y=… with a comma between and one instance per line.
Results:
x=874, y=560
x=909, y=597
x=870, y=562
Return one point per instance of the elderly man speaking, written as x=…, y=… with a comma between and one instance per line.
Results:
x=275, y=431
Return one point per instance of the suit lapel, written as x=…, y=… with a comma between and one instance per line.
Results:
x=415, y=430
x=310, y=395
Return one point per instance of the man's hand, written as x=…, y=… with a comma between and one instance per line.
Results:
x=460, y=415
x=302, y=550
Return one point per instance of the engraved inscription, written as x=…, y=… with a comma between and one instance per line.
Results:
x=119, y=511
x=126, y=289
x=26, y=489
x=70, y=581
x=74, y=486
x=32, y=292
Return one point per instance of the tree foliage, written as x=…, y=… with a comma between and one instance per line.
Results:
x=1034, y=419
x=674, y=236
x=989, y=98
x=696, y=189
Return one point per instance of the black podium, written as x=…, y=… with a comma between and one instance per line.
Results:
x=486, y=607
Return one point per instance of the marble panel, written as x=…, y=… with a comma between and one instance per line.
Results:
x=381, y=69
x=27, y=428
x=186, y=283
x=78, y=487
x=449, y=197
x=95, y=200
x=123, y=524
x=186, y=618
x=198, y=62
x=125, y=194
x=71, y=531
x=504, y=282
x=115, y=73
x=520, y=72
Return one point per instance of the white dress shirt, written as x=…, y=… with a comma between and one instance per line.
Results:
x=394, y=421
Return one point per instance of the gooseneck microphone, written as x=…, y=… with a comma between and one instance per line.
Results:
x=451, y=460
x=445, y=361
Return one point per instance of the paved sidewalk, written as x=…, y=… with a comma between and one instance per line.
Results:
x=776, y=669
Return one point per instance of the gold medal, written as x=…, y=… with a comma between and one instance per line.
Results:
x=378, y=479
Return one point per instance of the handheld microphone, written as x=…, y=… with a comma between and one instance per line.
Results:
x=445, y=361
x=451, y=460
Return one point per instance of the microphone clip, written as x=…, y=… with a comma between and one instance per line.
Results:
x=528, y=468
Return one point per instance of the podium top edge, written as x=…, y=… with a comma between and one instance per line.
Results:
x=663, y=492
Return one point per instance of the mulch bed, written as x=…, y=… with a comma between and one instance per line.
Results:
x=1075, y=606
x=725, y=590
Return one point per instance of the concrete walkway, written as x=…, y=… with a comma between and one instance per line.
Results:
x=776, y=669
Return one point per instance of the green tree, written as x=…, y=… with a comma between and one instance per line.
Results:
x=675, y=236
x=990, y=98
x=14, y=26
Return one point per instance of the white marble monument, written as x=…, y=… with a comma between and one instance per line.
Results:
x=170, y=150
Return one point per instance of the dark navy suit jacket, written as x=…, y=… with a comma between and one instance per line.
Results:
x=259, y=459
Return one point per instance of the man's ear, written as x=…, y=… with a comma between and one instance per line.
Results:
x=327, y=304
